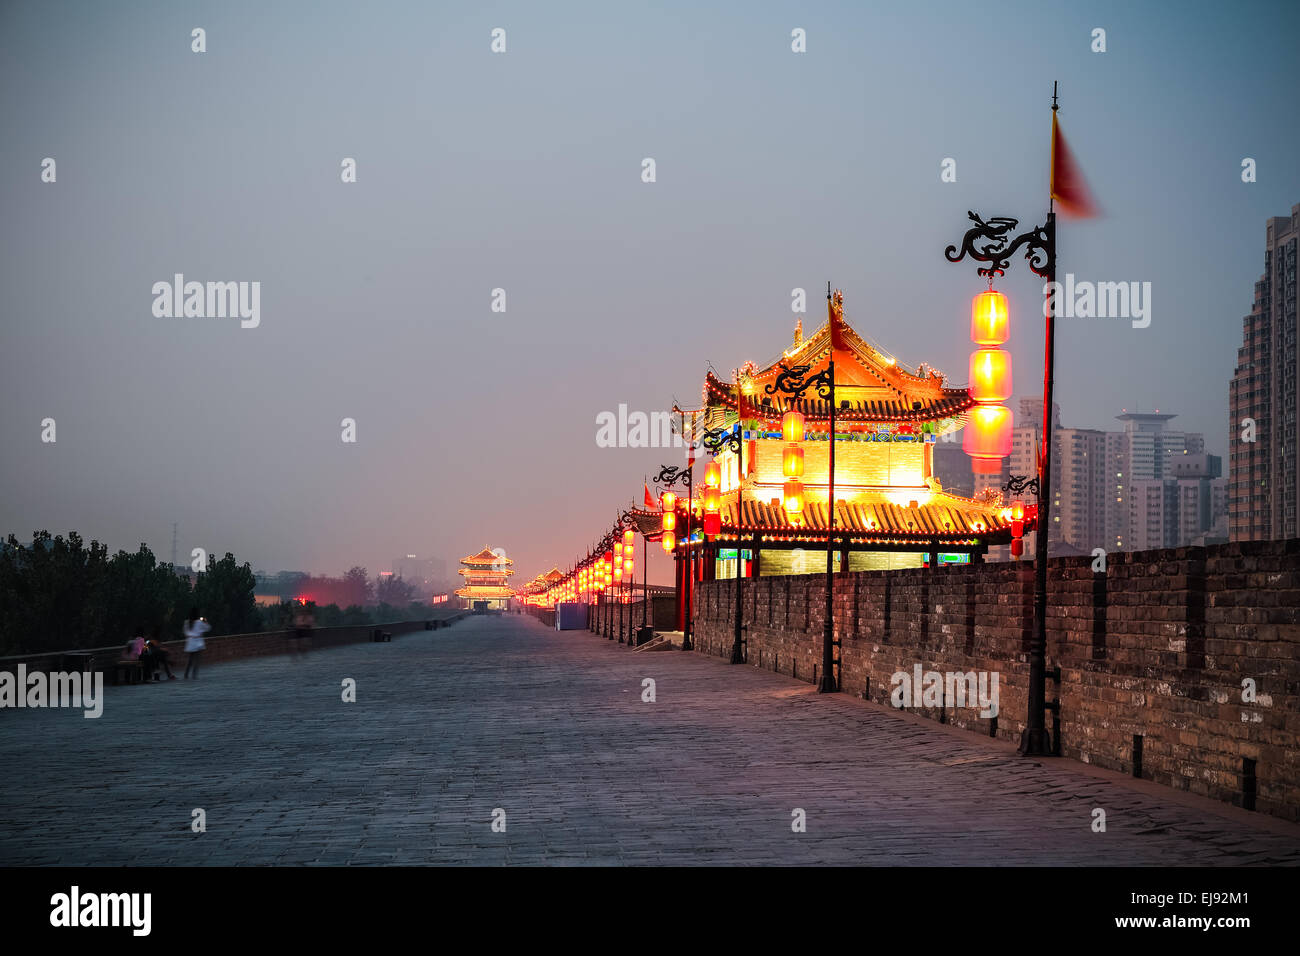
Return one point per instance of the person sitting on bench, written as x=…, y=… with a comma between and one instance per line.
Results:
x=157, y=656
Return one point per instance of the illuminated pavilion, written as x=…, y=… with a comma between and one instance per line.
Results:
x=890, y=510
x=485, y=576
x=538, y=591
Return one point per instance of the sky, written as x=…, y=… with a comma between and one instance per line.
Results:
x=522, y=171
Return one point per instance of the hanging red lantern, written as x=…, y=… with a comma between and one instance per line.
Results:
x=712, y=523
x=988, y=438
x=792, y=461
x=792, y=426
x=712, y=474
x=793, y=497
x=989, y=319
x=988, y=429
x=667, y=501
x=712, y=500
x=669, y=520
x=990, y=375
x=669, y=541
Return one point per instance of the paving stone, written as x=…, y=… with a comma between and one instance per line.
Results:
x=502, y=712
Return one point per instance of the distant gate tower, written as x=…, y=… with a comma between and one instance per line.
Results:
x=485, y=576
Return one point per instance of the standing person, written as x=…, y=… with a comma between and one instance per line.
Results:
x=195, y=628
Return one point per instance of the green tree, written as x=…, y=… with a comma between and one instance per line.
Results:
x=141, y=592
x=224, y=595
x=51, y=594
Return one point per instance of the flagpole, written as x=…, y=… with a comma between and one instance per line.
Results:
x=1034, y=741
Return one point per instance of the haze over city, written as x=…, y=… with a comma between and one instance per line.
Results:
x=523, y=172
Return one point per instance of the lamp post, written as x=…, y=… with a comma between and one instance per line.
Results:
x=671, y=475
x=794, y=383
x=1015, y=485
x=715, y=441
x=991, y=242
x=625, y=531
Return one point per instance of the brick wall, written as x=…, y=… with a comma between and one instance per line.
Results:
x=1157, y=646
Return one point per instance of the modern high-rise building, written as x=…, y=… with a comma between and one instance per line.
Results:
x=1079, y=487
x=1264, y=481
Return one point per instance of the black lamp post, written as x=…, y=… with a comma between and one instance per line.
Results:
x=672, y=475
x=793, y=383
x=715, y=441
x=991, y=242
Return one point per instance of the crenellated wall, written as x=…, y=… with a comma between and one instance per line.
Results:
x=1157, y=646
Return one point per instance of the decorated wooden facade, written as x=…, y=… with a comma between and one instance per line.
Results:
x=890, y=509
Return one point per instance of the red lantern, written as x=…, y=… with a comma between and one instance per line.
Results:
x=1017, y=520
x=792, y=426
x=792, y=461
x=712, y=475
x=629, y=540
x=712, y=523
x=990, y=375
x=989, y=323
x=669, y=520
x=668, y=501
x=669, y=541
x=1017, y=547
x=712, y=500
x=793, y=497
x=988, y=438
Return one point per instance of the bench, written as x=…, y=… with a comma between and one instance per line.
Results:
x=131, y=670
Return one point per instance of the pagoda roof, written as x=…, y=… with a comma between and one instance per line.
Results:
x=875, y=386
x=873, y=518
x=486, y=556
x=943, y=518
x=647, y=523
x=485, y=570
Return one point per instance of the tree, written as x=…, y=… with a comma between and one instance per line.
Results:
x=356, y=587
x=391, y=589
x=141, y=592
x=224, y=595
x=51, y=594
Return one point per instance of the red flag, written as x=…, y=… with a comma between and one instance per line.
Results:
x=649, y=501
x=1068, y=187
x=835, y=315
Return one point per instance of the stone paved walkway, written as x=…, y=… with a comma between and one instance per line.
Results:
x=503, y=713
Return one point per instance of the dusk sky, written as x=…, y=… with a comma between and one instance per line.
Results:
x=522, y=171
